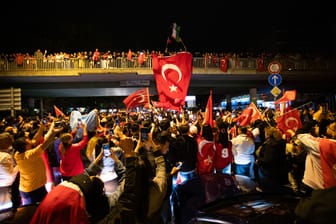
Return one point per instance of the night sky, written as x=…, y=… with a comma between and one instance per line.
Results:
x=206, y=26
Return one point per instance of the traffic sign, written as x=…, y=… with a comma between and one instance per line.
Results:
x=274, y=79
x=276, y=91
x=274, y=67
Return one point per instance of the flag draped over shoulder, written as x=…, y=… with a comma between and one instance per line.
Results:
x=290, y=120
x=58, y=112
x=172, y=75
x=137, y=98
x=208, y=112
x=249, y=115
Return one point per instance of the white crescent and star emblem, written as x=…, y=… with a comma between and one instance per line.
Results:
x=172, y=88
x=291, y=119
x=173, y=67
x=208, y=160
x=136, y=99
x=248, y=114
x=142, y=98
x=254, y=112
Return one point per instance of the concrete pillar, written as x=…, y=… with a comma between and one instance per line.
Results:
x=253, y=95
x=31, y=102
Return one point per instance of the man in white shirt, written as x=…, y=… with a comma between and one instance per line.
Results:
x=243, y=148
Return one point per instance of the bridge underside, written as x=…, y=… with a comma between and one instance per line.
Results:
x=86, y=85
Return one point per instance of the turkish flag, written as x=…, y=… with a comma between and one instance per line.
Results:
x=328, y=159
x=249, y=115
x=290, y=120
x=224, y=65
x=58, y=112
x=137, y=98
x=208, y=112
x=172, y=75
x=289, y=95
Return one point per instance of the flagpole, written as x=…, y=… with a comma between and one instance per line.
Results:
x=263, y=114
x=148, y=99
x=185, y=48
x=297, y=108
x=166, y=50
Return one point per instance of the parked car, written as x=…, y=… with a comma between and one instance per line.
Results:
x=252, y=208
x=232, y=199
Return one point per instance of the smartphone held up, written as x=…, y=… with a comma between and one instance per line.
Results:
x=144, y=133
x=106, y=148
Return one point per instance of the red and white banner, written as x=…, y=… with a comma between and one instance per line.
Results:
x=208, y=112
x=248, y=116
x=58, y=112
x=290, y=120
x=289, y=95
x=172, y=75
x=137, y=98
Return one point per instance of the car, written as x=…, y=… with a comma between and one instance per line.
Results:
x=252, y=208
x=232, y=199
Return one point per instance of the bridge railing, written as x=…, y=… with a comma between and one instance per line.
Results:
x=202, y=63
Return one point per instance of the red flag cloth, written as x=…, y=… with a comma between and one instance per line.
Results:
x=156, y=104
x=137, y=98
x=58, y=112
x=208, y=112
x=248, y=116
x=290, y=120
x=224, y=65
x=289, y=95
x=172, y=75
x=328, y=159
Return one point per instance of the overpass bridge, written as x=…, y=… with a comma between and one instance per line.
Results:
x=309, y=78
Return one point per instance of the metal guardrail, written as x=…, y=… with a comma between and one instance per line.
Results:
x=249, y=65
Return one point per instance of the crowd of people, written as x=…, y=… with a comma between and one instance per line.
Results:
x=159, y=166
x=107, y=59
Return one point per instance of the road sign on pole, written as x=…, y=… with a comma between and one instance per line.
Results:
x=274, y=67
x=275, y=92
x=274, y=79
